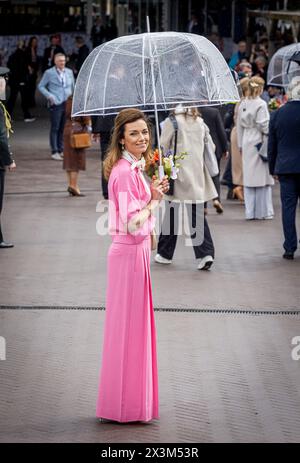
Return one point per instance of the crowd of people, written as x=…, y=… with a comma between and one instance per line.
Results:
x=258, y=148
x=26, y=67
x=239, y=132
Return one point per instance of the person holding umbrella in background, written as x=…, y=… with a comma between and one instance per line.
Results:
x=6, y=160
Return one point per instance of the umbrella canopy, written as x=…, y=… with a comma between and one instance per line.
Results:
x=153, y=71
x=284, y=65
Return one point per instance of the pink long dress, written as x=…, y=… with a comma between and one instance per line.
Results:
x=128, y=386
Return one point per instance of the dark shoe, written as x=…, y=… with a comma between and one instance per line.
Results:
x=74, y=192
x=288, y=255
x=230, y=194
x=218, y=206
x=3, y=245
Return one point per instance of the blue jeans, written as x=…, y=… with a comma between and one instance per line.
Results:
x=290, y=194
x=57, y=119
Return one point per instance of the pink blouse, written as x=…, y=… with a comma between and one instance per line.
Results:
x=127, y=194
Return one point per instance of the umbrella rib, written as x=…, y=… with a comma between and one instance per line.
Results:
x=160, y=78
x=170, y=50
x=88, y=82
x=125, y=53
x=213, y=74
x=143, y=70
x=105, y=80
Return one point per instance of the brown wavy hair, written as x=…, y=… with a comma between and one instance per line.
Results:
x=114, y=152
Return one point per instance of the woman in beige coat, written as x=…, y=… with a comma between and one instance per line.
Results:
x=192, y=188
x=236, y=157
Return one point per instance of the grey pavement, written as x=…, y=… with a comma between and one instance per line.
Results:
x=59, y=259
x=223, y=376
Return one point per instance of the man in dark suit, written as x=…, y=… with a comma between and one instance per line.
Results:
x=284, y=162
x=212, y=118
x=98, y=35
x=102, y=127
x=6, y=160
x=51, y=51
x=83, y=53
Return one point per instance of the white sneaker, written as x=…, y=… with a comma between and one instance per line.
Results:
x=56, y=157
x=205, y=263
x=61, y=155
x=162, y=260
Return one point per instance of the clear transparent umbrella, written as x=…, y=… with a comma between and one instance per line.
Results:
x=153, y=72
x=284, y=65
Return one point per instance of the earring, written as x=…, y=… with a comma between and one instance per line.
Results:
x=122, y=146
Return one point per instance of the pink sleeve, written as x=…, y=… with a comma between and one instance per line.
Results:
x=130, y=204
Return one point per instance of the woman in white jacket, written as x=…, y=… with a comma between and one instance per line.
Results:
x=252, y=130
x=192, y=188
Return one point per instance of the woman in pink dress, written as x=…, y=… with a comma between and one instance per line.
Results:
x=128, y=386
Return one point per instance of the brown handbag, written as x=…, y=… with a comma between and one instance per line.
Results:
x=81, y=140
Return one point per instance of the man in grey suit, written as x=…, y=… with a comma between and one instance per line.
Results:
x=57, y=84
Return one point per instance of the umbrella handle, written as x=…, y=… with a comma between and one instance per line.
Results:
x=161, y=172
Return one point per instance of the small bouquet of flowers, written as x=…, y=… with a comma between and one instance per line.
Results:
x=169, y=162
x=277, y=102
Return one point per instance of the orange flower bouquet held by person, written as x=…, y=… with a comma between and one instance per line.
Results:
x=169, y=162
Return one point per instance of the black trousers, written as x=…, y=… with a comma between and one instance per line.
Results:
x=31, y=86
x=104, y=143
x=290, y=195
x=217, y=184
x=14, y=90
x=227, y=175
x=216, y=181
x=201, y=238
x=2, y=177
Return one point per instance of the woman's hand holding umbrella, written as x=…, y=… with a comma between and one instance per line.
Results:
x=159, y=187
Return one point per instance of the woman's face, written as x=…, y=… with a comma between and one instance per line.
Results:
x=136, y=137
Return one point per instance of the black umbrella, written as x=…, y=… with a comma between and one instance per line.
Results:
x=296, y=58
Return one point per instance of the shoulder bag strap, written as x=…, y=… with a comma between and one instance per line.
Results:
x=175, y=125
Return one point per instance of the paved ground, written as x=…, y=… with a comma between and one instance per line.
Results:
x=223, y=377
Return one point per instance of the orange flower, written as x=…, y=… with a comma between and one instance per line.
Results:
x=156, y=155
